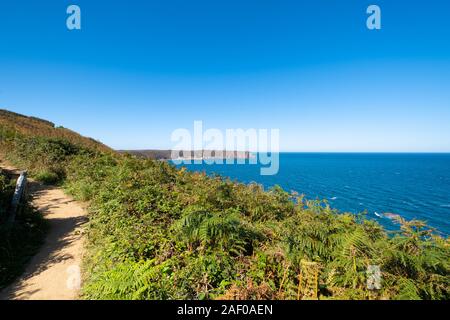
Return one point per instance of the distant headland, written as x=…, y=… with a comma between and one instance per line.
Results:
x=189, y=154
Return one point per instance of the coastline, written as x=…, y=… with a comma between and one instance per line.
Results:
x=186, y=155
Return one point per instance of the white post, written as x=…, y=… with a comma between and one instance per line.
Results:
x=18, y=193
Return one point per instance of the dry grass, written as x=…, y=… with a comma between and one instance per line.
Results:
x=35, y=127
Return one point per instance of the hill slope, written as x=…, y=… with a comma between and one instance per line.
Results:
x=40, y=147
x=30, y=126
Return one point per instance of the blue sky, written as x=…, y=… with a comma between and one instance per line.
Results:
x=139, y=70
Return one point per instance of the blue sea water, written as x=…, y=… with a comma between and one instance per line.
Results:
x=414, y=186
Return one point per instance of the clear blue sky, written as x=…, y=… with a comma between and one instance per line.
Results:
x=140, y=69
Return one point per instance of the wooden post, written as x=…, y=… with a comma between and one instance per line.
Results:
x=18, y=194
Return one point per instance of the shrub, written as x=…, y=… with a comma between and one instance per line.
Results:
x=21, y=241
x=48, y=177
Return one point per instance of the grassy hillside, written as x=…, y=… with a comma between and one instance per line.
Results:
x=17, y=124
x=41, y=147
x=158, y=232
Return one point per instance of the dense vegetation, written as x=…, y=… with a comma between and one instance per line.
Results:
x=158, y=232
x=12, y=124
x=21, y=240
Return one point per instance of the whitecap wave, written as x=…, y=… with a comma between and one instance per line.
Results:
x=391, y=216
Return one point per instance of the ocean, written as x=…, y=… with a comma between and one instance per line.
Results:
x=414, y=186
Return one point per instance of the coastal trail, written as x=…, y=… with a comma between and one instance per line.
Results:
x=54, y=272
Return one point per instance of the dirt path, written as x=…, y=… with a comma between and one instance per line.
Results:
x=54, y=272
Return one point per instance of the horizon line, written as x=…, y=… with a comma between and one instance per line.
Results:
x=281, y=151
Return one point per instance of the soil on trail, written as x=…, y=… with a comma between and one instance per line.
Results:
x=54, y=272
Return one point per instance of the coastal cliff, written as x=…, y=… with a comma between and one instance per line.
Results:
x=188, y=154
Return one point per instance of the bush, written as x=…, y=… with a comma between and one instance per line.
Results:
x=20, y=242
x=48, y=177
x=6, y=193
x=209, y=237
